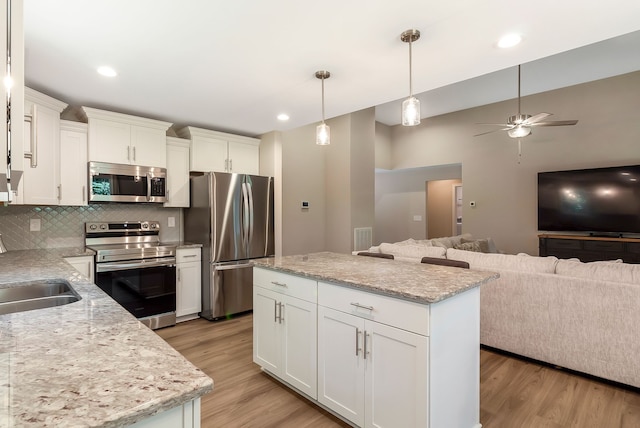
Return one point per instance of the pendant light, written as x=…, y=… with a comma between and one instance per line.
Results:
x=323, y=133
x=410, y=106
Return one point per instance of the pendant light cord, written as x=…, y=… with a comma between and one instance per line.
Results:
x=322, y=100
x=410, y=70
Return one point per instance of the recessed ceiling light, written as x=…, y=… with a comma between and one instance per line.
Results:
x=509, y=40
x=283, y=117
x=107, y=71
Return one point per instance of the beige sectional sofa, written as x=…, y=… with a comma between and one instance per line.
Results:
x=581, y=316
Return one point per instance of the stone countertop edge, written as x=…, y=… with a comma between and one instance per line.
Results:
x=413, y=281
x=88, y=363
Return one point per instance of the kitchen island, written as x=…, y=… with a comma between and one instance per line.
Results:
x=377, y=342
x=87, y=363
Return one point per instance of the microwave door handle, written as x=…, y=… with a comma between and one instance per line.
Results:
x=148, y=186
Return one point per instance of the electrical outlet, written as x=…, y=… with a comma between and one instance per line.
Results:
x=34, y=224
x=171, y=222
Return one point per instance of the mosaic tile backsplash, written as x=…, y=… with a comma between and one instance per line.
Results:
x=62, y=226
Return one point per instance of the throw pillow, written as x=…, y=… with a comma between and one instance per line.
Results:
x=470, y=246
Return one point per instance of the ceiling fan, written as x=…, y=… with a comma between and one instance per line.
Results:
x=519, y=125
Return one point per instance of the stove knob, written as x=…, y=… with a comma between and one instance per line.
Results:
x=145, y=225
x=103, y=227
x=93, y=227
x=154, y=225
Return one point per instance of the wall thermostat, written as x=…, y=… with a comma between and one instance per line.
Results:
x=305, y=205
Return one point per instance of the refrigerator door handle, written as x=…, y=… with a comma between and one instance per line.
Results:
x=234, y=266
x=251, y=217
x=245, y=216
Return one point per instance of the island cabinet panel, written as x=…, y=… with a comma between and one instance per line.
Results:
x=285, y=329
x=185, y=416
x=372, y=374
x=380, y=360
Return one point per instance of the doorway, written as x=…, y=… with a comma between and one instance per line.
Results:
x=442, y=208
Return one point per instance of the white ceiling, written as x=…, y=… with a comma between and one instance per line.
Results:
x=235, y=65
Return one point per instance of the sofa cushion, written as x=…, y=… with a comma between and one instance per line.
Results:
x=604, y=271
x=450, y=241
x=416, y=251
x=499, y=262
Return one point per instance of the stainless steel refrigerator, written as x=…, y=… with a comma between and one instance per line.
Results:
x=231, y=215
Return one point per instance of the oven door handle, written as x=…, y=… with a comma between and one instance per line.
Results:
x=137, y=264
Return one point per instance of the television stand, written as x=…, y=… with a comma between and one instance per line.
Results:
x=590, y=248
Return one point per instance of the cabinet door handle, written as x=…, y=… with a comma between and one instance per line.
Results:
x=357, y=341
x=230, y=165
x=166, y=196
x=226, y=165
x=279, y=284
x=33, y=144
x=364, y=354
x=59, y=192
x=358, y=305
x=281, y=309
x=134, y=153
x=128, y=153
x=84, y=195
x=178, y=274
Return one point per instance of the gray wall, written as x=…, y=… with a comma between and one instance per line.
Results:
x=505, y=192
x=401, y=195
x=337, y=181
x=63, y=226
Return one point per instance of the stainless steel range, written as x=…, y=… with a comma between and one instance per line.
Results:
x=136, y=269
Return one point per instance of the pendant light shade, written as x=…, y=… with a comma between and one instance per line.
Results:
x=323, y=132
x=410, y=106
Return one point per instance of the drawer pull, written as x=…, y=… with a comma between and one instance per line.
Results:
x=279, y=284
x=189, y=256
x=358, y=305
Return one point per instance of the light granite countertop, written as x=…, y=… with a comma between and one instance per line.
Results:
x=85, y=364
x=419, y=282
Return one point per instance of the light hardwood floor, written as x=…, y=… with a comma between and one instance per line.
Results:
x=513, y=393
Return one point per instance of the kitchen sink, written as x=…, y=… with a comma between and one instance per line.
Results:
x=36, y=295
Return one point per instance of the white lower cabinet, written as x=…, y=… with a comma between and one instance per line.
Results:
x=370, y=373
x=284, y=329
x=188, y=283
x=185, y=416
x=373, y=360
x=83, y=264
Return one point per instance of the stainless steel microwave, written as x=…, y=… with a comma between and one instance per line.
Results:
x=110, y=182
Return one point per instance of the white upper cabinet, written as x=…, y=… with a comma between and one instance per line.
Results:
x=73, y=163
x=125, y=139
x=222, y=152
x=40, y=184
x=177, y=173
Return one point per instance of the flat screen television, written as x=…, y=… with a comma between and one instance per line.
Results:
x=598, y=201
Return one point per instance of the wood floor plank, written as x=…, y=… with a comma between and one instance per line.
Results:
x=514, y=392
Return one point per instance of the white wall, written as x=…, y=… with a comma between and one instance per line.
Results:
x=505, y=192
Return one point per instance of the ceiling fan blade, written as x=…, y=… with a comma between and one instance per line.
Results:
x=556, y=123
x=538, y=117
x=495, y=124
x=495, y=130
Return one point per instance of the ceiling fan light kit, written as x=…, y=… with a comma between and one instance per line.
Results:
x=410, y=106
x=519, y=125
